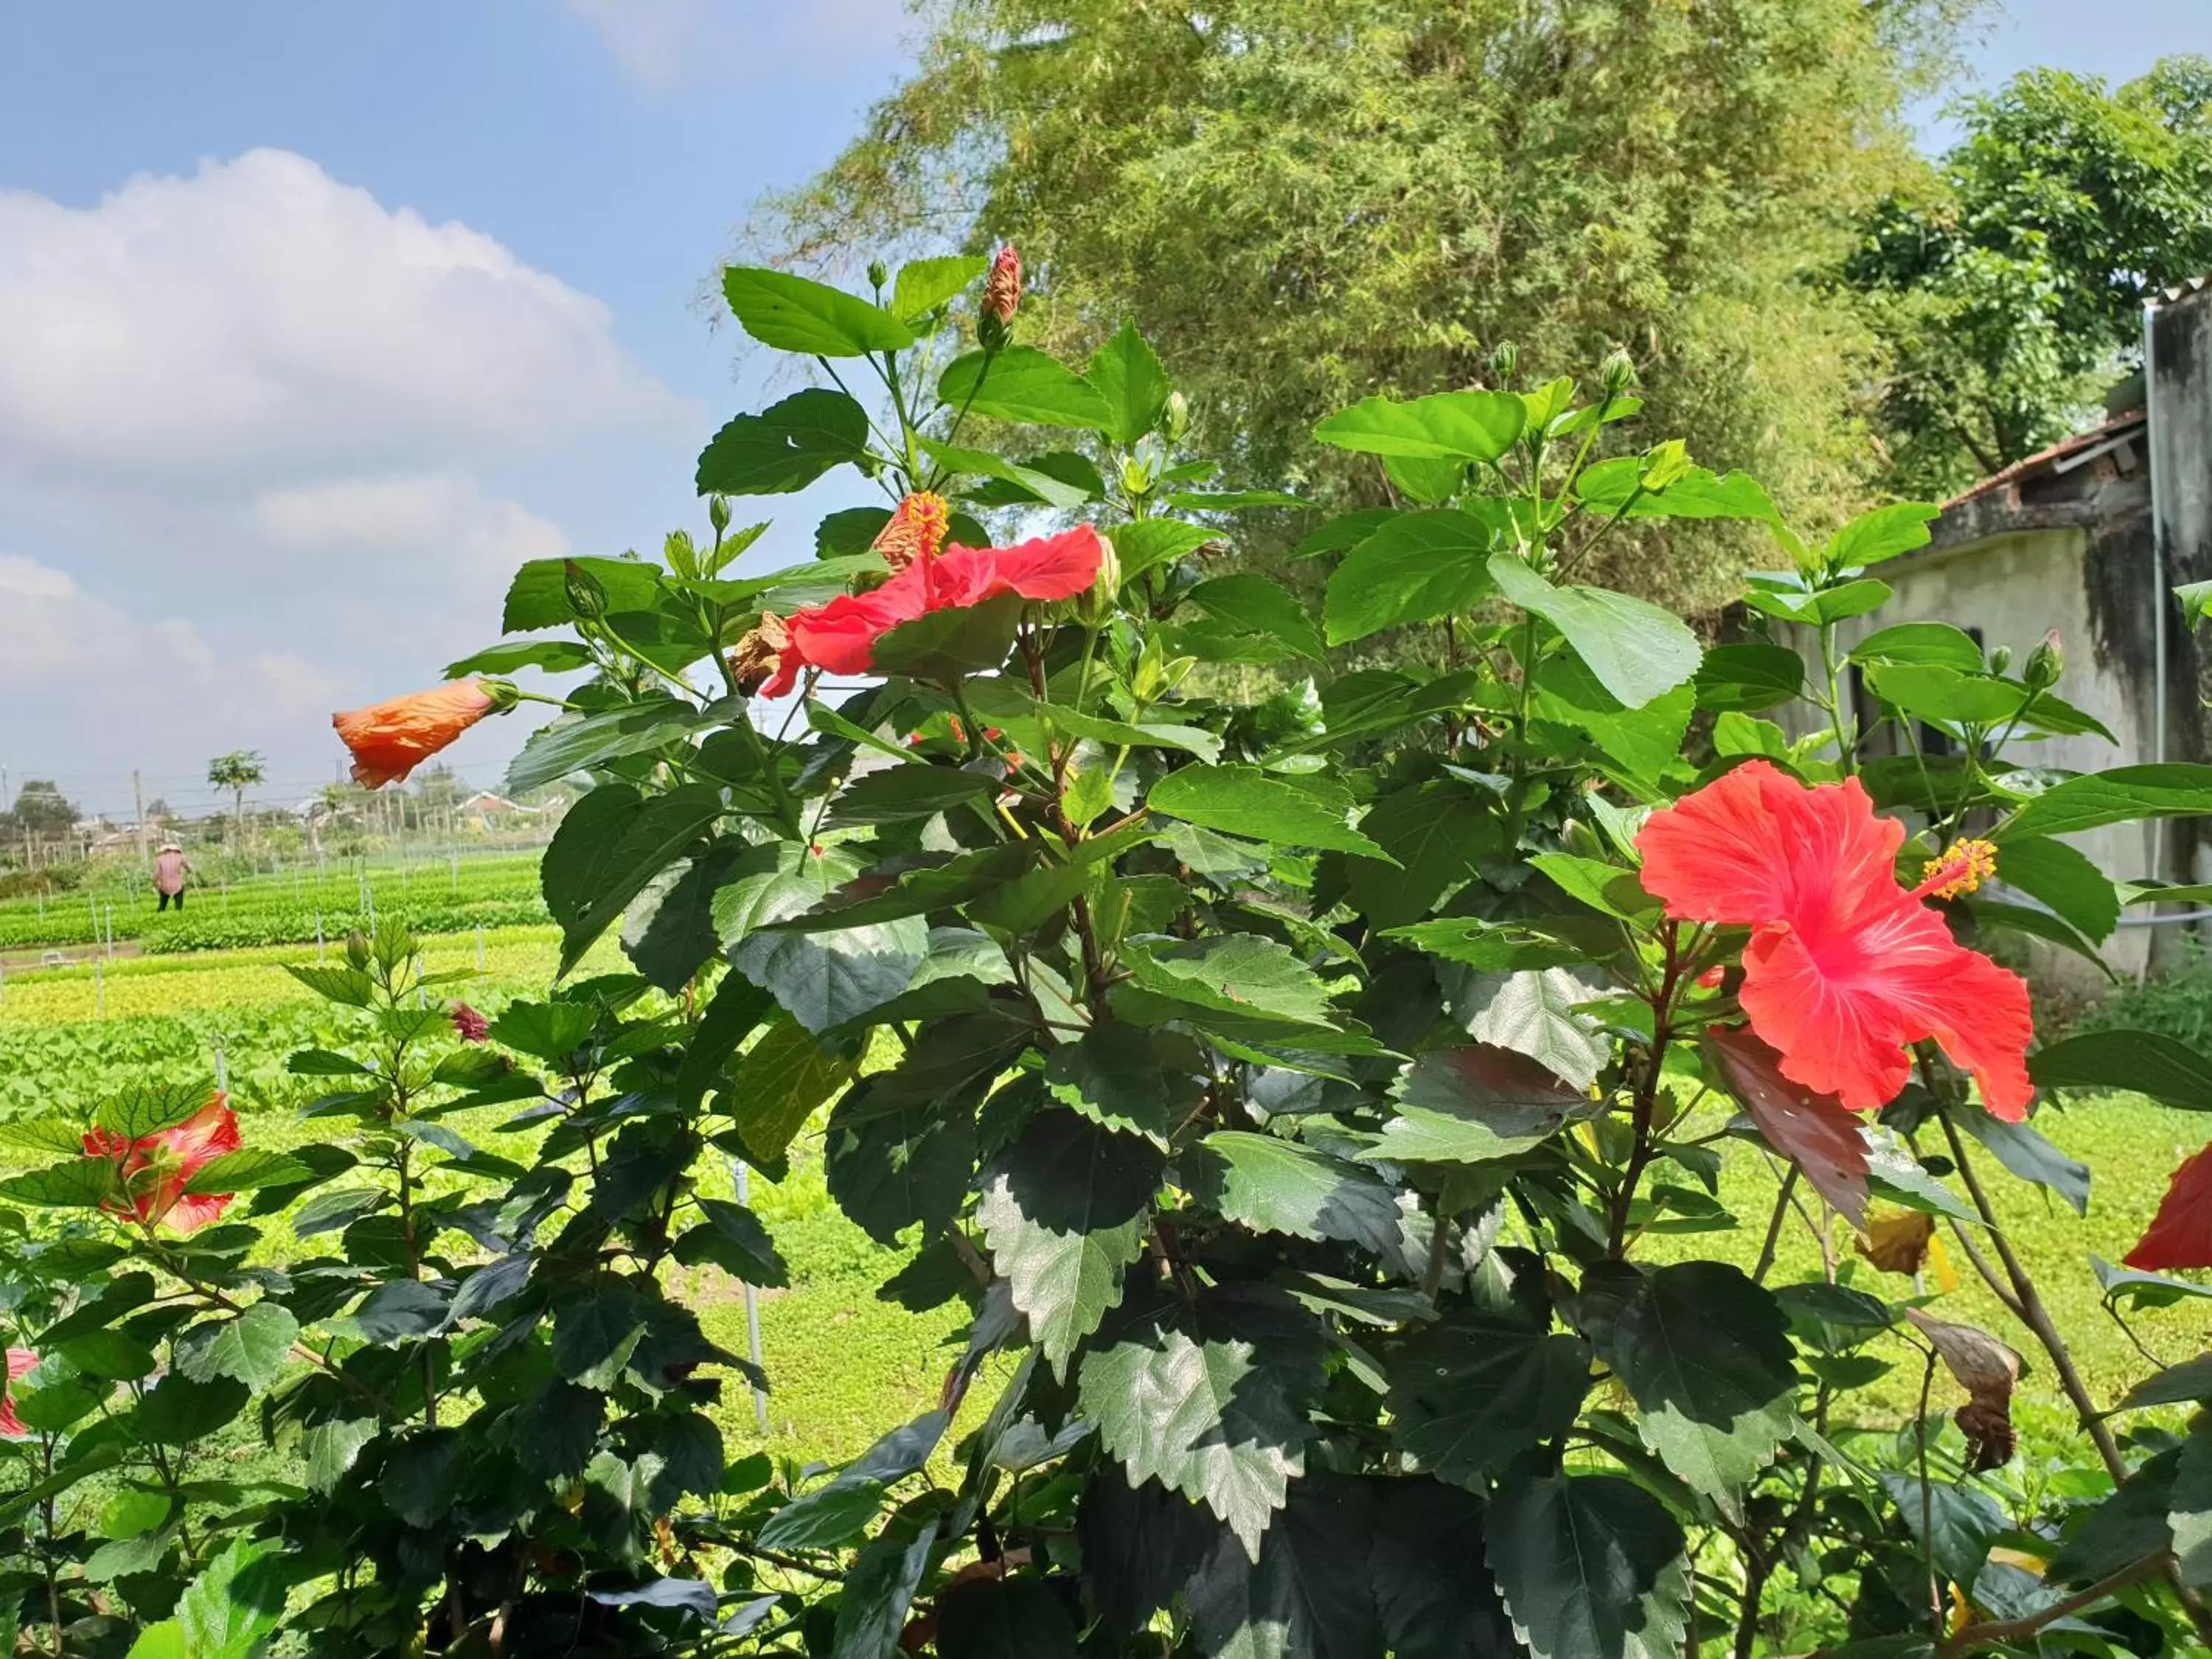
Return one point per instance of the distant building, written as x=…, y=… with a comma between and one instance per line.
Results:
x=2090, y=537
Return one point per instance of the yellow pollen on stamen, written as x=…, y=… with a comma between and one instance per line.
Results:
x=1965, y=867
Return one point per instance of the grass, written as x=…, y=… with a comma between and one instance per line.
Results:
x=847, y=1366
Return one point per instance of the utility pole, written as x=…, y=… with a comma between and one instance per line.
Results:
x=139, y=802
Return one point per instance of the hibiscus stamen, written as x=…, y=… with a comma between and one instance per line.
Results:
x=1963, y=867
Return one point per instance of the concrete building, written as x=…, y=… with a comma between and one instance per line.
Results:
x=2089, y=538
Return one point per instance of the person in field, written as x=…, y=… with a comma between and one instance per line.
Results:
x=172, y=870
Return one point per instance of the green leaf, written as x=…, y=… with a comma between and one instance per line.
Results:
x=1257, y=605
x=1002, y=702
x=1468, y=1397
x=176, y=1411
x=2125, y=1527
x=245, y=1170
x=784, y=447
x=1275, y=1186
x=2172, y=789
x=947, y=645
x=330, y=1449
x=2139, y=1062
x=146, y=1108
x=731, y=1238
x=84, y=1183
x=539, y=596
x=1437, y=834
x=1025, y=387
x=1473, y=1105
x=1966, y=1523
x=419, y=1475
x=2063, y=878
x=550, y=1031
x=1139, y=546
x=2023, y=1151
x=1606, y=887
x=251, y=1347
x=1132, y=384
x=872, y=1610
x=1112, y=1075
x=829, y=1515
x=579, y=744
x=1011, y=1618
x=778, y=1084
x=111, y=1356
x=925, y=284
x=226, y=1612
x=609, y=846
x=1457, y=426
x=1291, y=811
x=1696, y=493
x=1830, y=605
x=956, y=461
x=1748, y=677
x=1210, y=1399
x=916, y=790
x=2176, y=1385
x=1064, y=1211
x=1416, y=568
x=793, y=314
x=1233, y=973
x=1922, y=645
x=554, y=656
x=822, y=979
x=1883, y=533
x=1431, y=482
x=1636, y=650
x=1705, y=1353
x=891, y=1167
x=1533, y=1013
x=1590, y=1566
x=1944, y=693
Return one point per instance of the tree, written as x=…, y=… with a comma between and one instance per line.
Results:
x=1303, y=202
x=238, y=771
x=41, y=810
x=2009, y=291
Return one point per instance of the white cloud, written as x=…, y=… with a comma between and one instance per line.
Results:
x=260, y=317
x=438, y=519
x=101, y=663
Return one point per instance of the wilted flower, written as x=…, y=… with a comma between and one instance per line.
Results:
x=916, y=529
x=1002, y=293
x=19, y=1360
x=391, y=739
x=758, y=652
x=1845, y=969
x=154, y=1170
x=470, y=1026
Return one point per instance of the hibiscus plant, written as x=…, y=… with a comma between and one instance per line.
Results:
x=1311, y=1084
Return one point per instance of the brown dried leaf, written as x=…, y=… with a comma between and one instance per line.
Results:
x=1813, y=1131
x=1989, y=1371
x=1898, y=1244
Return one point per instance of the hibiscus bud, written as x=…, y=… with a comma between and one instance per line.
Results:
x=2044, y=664
x=586, y=598
x=1617, y=371
x=759, y=653
x=1178, y=416
x=879, y=274
x=1505, y=359
x=468, y=1025
x=2000, y=659
x=1093, y=607
x=717, y=514
x=1137, y=478
x=1002, y=293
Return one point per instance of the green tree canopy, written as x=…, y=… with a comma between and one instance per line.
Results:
x=2009, y=289
x=1302, y=202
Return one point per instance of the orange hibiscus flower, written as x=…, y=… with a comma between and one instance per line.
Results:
x=154, y=1168
x=840, y=637
x=391, y=739
x=1845, y=969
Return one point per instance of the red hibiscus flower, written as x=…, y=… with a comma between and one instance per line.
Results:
x=468, y=1025
x=1845, y=969
x=840, y=637
x=19, y=1361
x=2180, y=1234
x=916, y=530
x=154, y=1168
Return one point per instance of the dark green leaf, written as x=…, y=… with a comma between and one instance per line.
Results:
x=226, y=1612
x=1140, y=546
x=176, y=1411
x=253, y=1346
x=1064, y=1211
x=822, y=979
x=2064, y=878
x=2022, y=1150
x=2174, y=789
x=1533, y=1013
x=944, y=645
x=1013, y=1617
x=732, y=1238
x=1472, y=1105
x=1249, y=606
x=609, y=846
x=146, y=1108
x=1112, y=1075
x=872, y=1612
x=1438, y=833
x=890, y=1168
x=1748, y=677
x=1468, y=1397
x=784, y=447
x=554, y=656
x=85, y=1181
x=911, y=791
x=1275, y=1186
x=2140, y=1062
x=1965, y=1523
x=1705, y=1353
x=1590, y=1566
x=420, y=1474
x=829, y=1515
x=1922, y=644
x=539, y=596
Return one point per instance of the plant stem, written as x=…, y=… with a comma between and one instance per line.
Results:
x=1765, y=1264
x=1928, y=1498
x=1991, y=1632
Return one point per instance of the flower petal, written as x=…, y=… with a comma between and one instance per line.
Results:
x=2180, y=1234
x=1757, y=845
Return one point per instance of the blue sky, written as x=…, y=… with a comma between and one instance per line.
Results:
x=315, y=320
